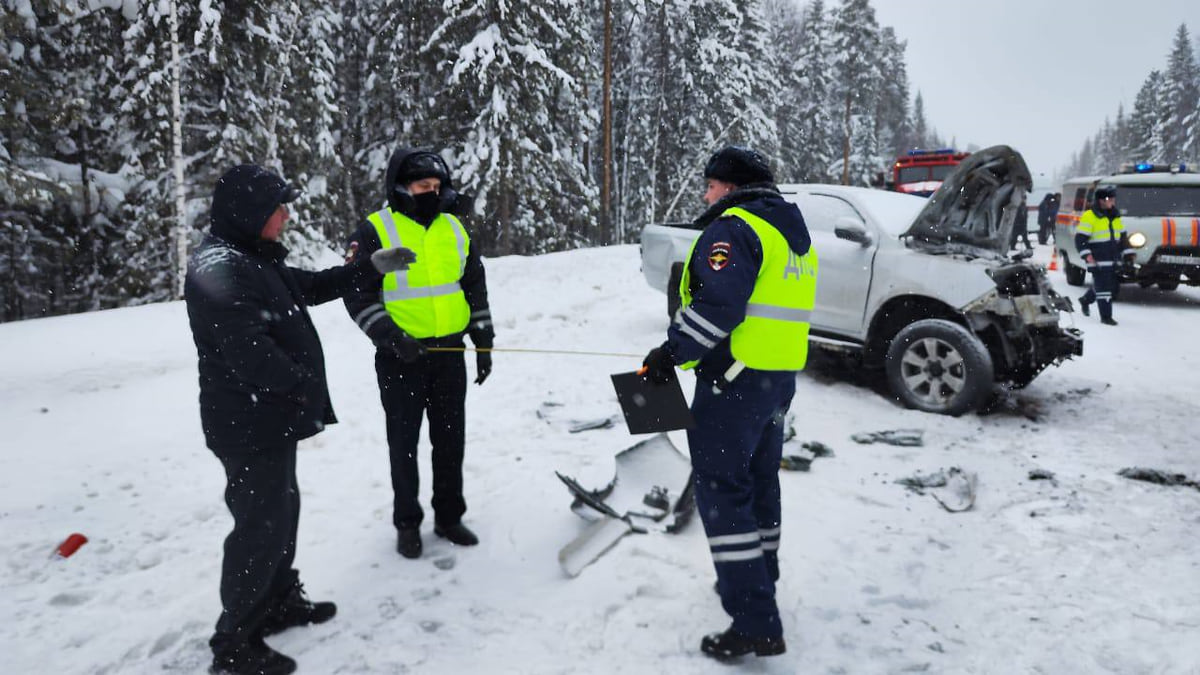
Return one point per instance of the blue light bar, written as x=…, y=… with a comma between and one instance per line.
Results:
x=1144, y=167
x=939, y=151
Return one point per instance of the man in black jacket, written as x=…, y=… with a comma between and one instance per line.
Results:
x=1047, y=212
x=262, y=389
x=417, y=319
x=1021, y=227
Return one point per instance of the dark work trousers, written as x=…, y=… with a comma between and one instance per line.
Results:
x=1044, y=233
x=264, y=499
x=434, y=386
x=1104, y=280
x=1019, y=235
x=736, y=447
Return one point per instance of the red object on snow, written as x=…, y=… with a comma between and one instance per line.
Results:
x=70, y=545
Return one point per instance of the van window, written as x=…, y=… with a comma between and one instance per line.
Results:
x=1078, y=202
x=1159, y=201
x=913, y=174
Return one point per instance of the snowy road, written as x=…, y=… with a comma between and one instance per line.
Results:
x=1088, y=573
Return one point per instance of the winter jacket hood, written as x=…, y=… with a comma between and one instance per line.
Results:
x=402, y=169
x=764, y=200
x=243, y=200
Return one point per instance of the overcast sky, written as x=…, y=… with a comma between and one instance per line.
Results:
x=1039, y=75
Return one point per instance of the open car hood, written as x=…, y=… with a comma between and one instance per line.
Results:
x=974, y=209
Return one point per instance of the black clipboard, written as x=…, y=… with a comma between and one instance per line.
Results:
x=650, y=407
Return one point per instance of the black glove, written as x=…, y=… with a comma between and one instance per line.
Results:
x=660, y=365
x=404, y=346
x=483, y=366
x=393, y=259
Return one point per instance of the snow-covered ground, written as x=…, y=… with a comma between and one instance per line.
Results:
x=1089, y=573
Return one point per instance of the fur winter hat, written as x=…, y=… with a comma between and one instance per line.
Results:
x=738, y=165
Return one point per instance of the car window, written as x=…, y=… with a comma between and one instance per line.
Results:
x=1078, y=202
x=822, y=212
x=1158, y=201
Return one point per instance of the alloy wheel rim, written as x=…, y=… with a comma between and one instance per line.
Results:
x=934, y=371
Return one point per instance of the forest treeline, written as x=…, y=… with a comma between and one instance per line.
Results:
x=568, y=123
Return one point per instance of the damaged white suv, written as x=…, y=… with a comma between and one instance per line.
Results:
x=923, y=288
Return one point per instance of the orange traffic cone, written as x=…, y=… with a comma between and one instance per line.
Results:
x=1053, y=260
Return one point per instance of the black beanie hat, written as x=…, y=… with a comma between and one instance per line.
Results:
x=1106, y=191
x=738, y=165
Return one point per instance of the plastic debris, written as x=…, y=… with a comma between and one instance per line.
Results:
x=69, y=545
x=902, y=437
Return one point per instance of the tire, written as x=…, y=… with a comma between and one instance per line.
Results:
x=1168, y=285
x=1075, y=275
x=940, y=367
x=673, y=280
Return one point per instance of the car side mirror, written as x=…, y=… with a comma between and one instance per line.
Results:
x=851, y=230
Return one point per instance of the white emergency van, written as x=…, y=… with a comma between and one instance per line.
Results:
x=1160, y=208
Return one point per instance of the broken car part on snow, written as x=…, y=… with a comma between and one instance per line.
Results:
x=651, y=491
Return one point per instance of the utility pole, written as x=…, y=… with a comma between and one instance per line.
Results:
x=846, y=144
x=180, y=229
x=606, y=224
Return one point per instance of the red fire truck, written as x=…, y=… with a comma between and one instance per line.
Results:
x=920, y=172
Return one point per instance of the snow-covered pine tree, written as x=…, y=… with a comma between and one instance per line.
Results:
x=1120, y=137
x=710, y=94
x=149, y=266
x=920, y=127
x=62, y=127
x=31, y=227
x=755, y=96
x=819, y=122
x=308, y=149
x=522, y=156
x=245, y=101
x=1105, y=159
x=1145, y=128
x=637, y=81
x=857, y=79
x=1180, y=99
x=893, y=125
x=785, y=38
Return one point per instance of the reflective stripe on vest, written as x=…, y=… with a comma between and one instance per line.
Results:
x=1099, y=228
x=425, y=300
x=774, y=334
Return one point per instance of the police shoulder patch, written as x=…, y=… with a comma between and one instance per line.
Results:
x=718, y=255
x=352, y=252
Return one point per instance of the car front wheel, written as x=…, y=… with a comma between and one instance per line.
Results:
x=940, y=367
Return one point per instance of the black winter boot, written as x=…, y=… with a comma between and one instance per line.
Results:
x=253, y=658
x=457, y=534
x=1085, y=306
x=295, y=609
x=731, y=644
x=408, y=543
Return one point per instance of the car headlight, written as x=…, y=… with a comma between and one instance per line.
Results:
x=1137, y=240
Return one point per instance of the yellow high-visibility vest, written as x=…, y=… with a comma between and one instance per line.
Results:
x=1100, y=228
x=774, y=334
x=425, y=300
